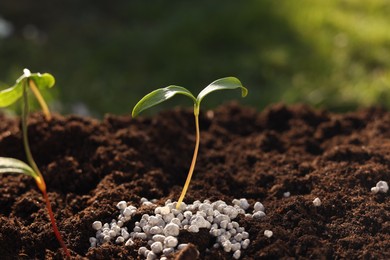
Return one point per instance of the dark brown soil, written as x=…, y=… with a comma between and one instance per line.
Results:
x=90, y=165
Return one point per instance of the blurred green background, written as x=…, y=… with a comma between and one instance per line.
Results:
x=106, y=55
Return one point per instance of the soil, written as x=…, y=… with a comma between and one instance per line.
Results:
x=90, y=165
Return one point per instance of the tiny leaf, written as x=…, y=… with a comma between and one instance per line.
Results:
x=12, y=94
x=11, y=165
x=43, y=81
x=222, y=84
x=160, y=95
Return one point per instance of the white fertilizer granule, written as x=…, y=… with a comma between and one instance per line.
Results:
x=381, y=186
x=161, y=230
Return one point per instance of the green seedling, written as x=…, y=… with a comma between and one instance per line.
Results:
x=33, y=81
x=162, y=94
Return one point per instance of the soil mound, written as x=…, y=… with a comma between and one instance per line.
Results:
x=91, y=165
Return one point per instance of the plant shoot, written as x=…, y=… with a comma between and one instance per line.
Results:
x=34, y=81
x=162, y=94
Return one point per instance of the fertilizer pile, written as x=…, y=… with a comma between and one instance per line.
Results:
x=160, y=230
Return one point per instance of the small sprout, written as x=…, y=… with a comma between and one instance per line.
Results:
x=34, y=81
x=317, y=202
x=268, y=233
x=381, y=186
x=162, y=94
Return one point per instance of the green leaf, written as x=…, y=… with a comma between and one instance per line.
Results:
x=11, y=165
x=160, y=95
x=222, y=84
x=12, y=94
x=44, y=80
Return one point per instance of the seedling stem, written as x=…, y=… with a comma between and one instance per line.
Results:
x=38, y=178
x=192, y=167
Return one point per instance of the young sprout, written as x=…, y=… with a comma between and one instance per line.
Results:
x=34, y=81
x=160, y=95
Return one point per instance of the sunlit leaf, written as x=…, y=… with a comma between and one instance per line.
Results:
x=43, y=81
x=11, y=165
x=222, y=84
x=160, y=95
x=12, y=94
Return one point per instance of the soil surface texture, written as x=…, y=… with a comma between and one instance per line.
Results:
x=90, y=165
